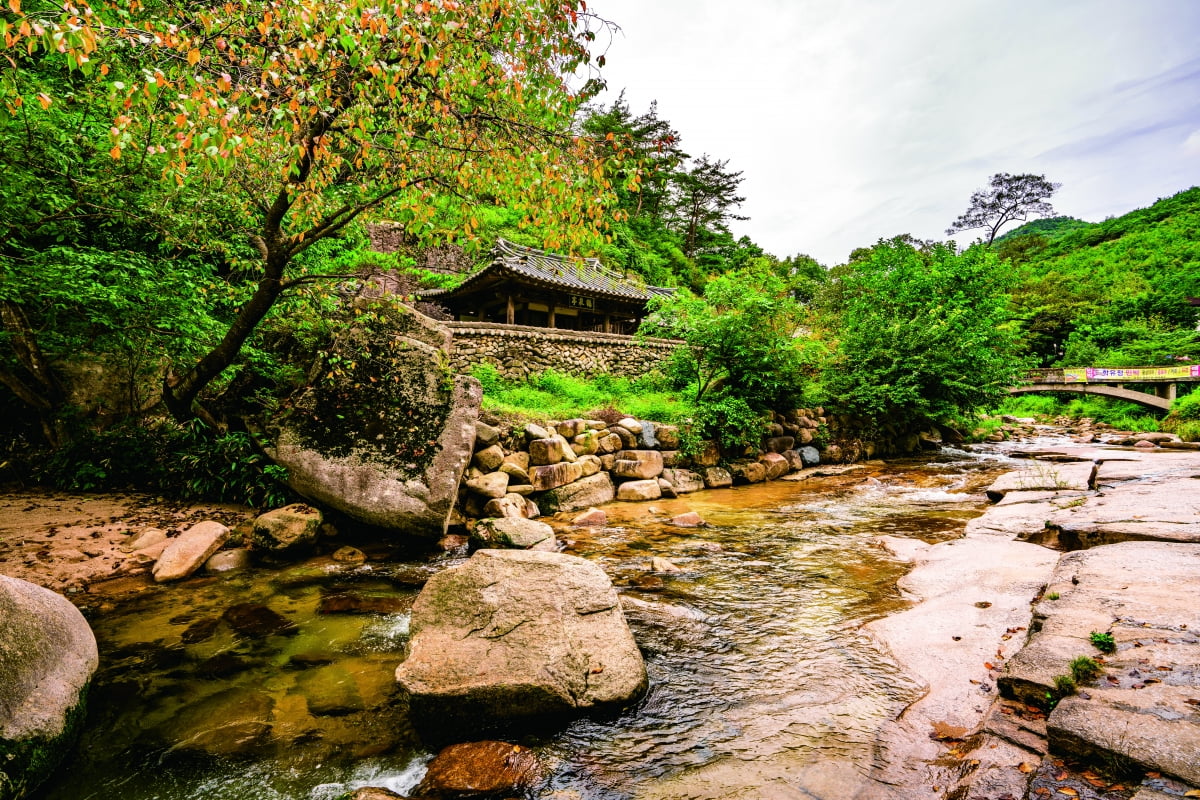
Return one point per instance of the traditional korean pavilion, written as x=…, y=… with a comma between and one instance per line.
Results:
x=527, y=286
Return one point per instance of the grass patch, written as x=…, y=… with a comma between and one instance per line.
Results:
x=1103, y=642
x=1120, y=414
x=1085, y=669
x=554, y=395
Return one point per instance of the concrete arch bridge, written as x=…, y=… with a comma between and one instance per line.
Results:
x=1110, y=382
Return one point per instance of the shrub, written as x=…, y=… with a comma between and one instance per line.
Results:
x=730, y=420
x=1103, y=642
x=186, y=461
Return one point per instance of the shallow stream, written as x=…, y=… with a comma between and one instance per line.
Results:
x=759, y=669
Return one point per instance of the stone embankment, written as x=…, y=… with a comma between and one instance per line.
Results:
x=1071, y=674
x=525, y=471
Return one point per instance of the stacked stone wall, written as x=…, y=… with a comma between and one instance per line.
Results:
x=530, y=469
x=518, y=351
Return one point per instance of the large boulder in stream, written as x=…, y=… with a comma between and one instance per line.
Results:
x=47, y=659
x=383, y=432
x=514, y=635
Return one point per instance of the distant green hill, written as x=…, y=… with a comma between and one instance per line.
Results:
x=1112, y=293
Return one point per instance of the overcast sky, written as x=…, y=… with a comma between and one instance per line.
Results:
x=855, y=120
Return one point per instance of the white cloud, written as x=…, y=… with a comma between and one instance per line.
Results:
x=1191, y=145
x=856, y=121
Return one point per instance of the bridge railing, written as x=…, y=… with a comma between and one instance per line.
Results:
x=1187, y=373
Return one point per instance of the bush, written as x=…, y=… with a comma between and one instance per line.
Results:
x=1187, y=408
x=186, y=461
x=730, y=420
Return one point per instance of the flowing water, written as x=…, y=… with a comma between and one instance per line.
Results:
x=760, y=674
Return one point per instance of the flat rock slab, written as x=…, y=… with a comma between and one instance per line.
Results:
x=1044, y=476
x=1159, y=731
x=187, y=552
x=1016, y=520
x=971, y=592
x=1143, y=594
x=1162, y=508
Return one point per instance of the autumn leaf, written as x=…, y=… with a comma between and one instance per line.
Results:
x=1027, y=767
x=943, y=731
x=1068, y=791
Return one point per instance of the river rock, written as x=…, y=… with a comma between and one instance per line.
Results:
x=667, y=436
x=689, y=519
x=485, y=435
x=533, y=431
x=551, y=476
x=586, y=443
x=639, y=490
x=355, y=603
x=591, y=517
x=776, y=465
x=143, y=539
x=589, y=465
x=257, y=621
x=568, y=452
x=645, y=436
x=810, y=456
x=522, y=534
x=717, y=478
x=374, y=793
x=545, y=451
x=665, y=489
x=392, y=453
x=480, y=770
x=187, y=552
x=517, y=475
x=662, y=565
x=511, y=506
x=517, y=634
x=683, y=481
x=594, y=490
x=638, y=464
x=228, y=561
x=488, y=459
x=287, y=529
x=748, y=472
x=490, y=486
x=609, y=443
x=47, y=658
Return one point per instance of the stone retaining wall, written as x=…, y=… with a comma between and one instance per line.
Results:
x=517, y=351
x=529, y=470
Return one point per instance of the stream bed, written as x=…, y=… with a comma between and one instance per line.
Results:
x=759, y=670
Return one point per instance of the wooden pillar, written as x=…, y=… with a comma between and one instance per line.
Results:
x=550, y=316
x=510, y=312
x=608, y=323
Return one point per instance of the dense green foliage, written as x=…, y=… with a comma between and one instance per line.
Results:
x=1114, y=293
x=918, y=334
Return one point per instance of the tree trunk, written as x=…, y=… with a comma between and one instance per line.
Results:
x=40, y=387
x=181, y=393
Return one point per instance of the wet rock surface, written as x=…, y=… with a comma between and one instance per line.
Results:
x=47, y=658
x=515, y=634
x=480, y=770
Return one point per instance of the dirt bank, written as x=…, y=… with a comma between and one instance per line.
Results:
x=70, y=543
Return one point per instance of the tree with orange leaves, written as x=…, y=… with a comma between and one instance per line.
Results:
x=284, y=121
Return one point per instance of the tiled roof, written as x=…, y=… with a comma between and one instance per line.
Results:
x=586, y=275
